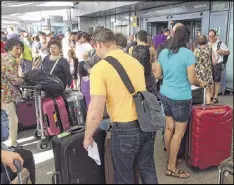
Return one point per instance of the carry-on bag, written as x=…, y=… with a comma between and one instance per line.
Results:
x=75, y=105
x=85, y=89
x=55, y=115
x=209, y=138
x=26, y=113
x=72, y=163
x=226, y=171
x=50, y=84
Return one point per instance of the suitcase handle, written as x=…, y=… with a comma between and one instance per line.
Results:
x=56, y=174
x=19, y=170
x=76, y=130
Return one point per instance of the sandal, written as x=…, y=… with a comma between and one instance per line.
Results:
x=177, y=173
x=215, y=100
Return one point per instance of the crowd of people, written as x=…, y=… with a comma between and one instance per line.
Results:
x=165, y=58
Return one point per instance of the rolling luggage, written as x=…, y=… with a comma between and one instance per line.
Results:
x=226, y=171
x=72, y=163
x=209, y=137
x=26, y=113
x=76, y=107
x=109, y=170
x=55, y=115
x=85, y=89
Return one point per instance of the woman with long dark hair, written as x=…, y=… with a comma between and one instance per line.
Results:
x=177, y=63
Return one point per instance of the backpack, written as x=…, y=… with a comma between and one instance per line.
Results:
x=142, y=54
x=51, y=85
x=225, y=57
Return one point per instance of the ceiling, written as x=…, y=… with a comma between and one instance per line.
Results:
x=23, y=12
x=143, y=5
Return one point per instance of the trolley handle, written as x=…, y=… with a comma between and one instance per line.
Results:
x=36, y=87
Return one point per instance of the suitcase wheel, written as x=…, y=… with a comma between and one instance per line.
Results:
x=196, y=169
x=43, y=145
x=36, y=134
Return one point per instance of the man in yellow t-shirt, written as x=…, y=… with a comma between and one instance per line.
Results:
x=130, y=146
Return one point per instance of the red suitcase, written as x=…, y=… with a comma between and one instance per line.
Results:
x=210, y=136
x=51, y=117
x=26, y=115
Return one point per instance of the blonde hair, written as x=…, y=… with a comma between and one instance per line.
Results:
x=150, y=41
x=202, y=40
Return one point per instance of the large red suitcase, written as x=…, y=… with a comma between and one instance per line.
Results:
x=210, y=136
x=26, y=115
x=51, y=116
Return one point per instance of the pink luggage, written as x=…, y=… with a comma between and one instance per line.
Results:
x=55, y=116
x=26, y=115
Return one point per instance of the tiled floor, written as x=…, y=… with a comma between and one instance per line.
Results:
x=45, y=164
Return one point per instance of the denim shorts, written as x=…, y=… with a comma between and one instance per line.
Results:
x=179, y=110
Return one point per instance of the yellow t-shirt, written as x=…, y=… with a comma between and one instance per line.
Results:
x=104, y=80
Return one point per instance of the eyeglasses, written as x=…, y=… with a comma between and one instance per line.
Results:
x=211, y=36
x=54, y=48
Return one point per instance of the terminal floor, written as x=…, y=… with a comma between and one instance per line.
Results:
x=45, y=162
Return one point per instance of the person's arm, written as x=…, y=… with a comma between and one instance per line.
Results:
x=158, y=71
x=8, y=157
x=130, y=50
x=67, y=72
x=96, y=106
x=13, y=75
x=191, y=72
x=223, y=50
x=158, y=68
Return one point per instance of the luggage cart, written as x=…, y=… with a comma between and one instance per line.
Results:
x=39, y=132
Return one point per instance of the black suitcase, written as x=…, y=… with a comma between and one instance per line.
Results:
x=76, y=107
x=72, y=163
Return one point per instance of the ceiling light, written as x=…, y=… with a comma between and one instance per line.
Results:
x=18, y=5
x=56, y=4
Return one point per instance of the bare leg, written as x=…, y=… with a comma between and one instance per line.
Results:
x=169, y=130
x=208, y=95
x=217, y=87
x=180, y=129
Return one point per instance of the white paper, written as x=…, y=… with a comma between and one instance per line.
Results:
x=94, y=153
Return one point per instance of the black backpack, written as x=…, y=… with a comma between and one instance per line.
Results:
x=142, y=54
x=50, y=84
x=225, y=57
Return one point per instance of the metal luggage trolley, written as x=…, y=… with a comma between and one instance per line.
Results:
x=39, y=132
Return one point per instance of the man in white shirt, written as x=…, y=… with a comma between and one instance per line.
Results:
x=217, y=68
